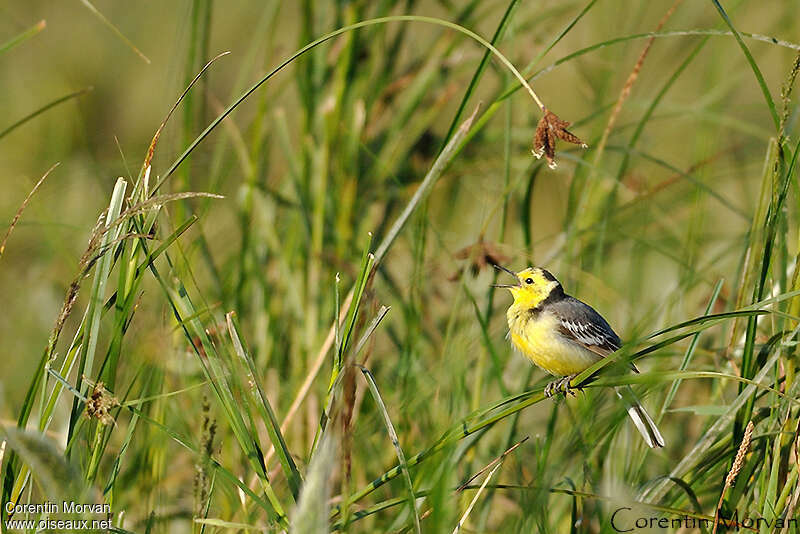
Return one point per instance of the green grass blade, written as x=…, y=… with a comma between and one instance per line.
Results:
x=41, y=110
x=387, y=421
x=22, y=37
x=97, y=296
x=473, y=83
x=267, y=414
x=687, y=357
x=110, y=25
x=753, y=65
x=656, y=492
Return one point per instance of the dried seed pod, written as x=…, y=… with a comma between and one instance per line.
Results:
x=740, y=454
x=550, y=128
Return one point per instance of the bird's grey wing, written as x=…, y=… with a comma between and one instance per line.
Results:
x=581, y=324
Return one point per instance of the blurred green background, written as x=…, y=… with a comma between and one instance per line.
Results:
x=332, y=148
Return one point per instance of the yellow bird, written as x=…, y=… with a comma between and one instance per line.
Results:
x=564, y=336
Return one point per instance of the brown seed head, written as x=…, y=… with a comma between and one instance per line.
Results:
x=480, y=255
x=738, y=463
x=100, y=403
x=550, y=128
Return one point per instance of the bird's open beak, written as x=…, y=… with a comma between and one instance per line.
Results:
x=509, y=271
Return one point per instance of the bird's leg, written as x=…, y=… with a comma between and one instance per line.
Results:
x=561, y=386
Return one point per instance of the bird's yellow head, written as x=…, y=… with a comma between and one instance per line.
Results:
x=534, y=284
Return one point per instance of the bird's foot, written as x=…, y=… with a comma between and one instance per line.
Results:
x=561, y=386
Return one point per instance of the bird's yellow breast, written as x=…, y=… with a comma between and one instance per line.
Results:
x=538, y=338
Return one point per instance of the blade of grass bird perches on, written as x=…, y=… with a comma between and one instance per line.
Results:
x=466, y=427
x=374, y=509
x=24, y=36
x=42, y=109
x=22, y=206
x=699, y=324
x=648, y=378
x=555, y=126
x=115, y=30
x=376, y=396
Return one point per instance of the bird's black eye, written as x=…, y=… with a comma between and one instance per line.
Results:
x=529, y=280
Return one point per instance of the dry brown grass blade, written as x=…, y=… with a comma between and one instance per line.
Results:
x=25, y=202
x=632, y=77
